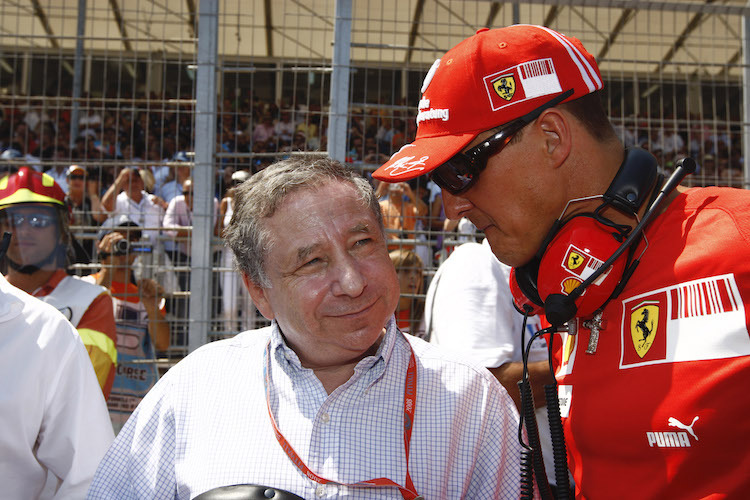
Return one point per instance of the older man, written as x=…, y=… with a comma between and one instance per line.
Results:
x=332, y=399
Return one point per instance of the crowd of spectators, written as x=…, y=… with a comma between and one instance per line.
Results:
x=716, y=147
x=137, y=160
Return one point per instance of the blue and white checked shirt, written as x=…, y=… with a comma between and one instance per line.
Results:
x=206, y=424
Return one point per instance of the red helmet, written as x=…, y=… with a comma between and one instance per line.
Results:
x=29, y=186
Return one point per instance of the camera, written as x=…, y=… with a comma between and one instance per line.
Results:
x=121, y=247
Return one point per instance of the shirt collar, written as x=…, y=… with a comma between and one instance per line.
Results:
x=287, y=358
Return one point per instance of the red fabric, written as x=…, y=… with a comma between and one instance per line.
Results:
x=660, y=410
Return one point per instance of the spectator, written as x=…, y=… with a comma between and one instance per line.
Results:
x=284, y=127
x=139, y=312
x=401, y=209
x=660, y=348
x=178, y=225
x=8, y=161
x=85, y=206
x=32, y=208
x=410, y=279
x=311, y=248
x=55, y=425
x=126, y=196
x=264, y=131
x=238, y=310
x=182, y=170
x=60, y=174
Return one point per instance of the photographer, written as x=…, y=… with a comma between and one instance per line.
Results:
x=139, y=316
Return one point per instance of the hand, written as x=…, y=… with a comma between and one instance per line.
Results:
x=106, y=245
x=151, y=293
x=408, y=191
x=160, y=201
x=123, y=179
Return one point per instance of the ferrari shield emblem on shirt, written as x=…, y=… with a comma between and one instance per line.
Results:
x=643, y=326
x=505, y=87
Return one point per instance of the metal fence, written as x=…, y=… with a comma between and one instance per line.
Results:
x=237, y=84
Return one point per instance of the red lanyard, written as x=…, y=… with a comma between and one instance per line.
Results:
x=409, y=492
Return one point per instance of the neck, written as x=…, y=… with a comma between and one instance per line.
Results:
x=29, y=282
x=76, y=196
x=334, y=374
x=332, y=377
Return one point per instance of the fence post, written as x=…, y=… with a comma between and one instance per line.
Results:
x=338, y=113
x=203, y=176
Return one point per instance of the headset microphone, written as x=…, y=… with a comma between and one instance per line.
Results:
x=560, y=308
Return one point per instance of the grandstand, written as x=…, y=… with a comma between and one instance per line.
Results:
x=237, y=84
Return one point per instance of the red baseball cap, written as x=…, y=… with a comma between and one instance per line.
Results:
x=485, y=81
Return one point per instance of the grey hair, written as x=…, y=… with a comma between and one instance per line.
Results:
x=258, y=198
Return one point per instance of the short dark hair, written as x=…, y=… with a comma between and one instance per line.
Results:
x=589, y=110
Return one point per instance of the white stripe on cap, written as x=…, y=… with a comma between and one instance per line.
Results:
x=587, y=72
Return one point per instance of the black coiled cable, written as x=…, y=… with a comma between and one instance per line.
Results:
x=527, y=475
x=532, y=463
x=559, y=452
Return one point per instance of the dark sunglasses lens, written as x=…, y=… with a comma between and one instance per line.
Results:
x=453, y=176
x=76, y=177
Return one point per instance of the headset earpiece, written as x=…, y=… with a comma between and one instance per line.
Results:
x=578, y=250
x=588, y=251
x=523, y=289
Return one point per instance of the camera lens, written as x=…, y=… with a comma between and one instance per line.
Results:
x=120, y=247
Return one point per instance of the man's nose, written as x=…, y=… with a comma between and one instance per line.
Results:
x=349, y=279
x=455, y=206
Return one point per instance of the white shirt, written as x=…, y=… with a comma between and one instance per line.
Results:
x=55, y=427
x=61, y=178
x=469, y=310
x=147, y=213
x=206, y=424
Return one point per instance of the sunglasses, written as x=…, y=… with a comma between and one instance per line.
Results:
x=37, y=221
x=462, y=171
x=76, y=177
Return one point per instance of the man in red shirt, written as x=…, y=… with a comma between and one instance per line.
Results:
x=33, y=210
x=512, y=128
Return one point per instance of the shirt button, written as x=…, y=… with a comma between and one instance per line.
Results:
x=320, y=491
x=325, y=418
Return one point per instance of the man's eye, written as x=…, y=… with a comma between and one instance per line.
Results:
x=311, y=262
x=363, y=241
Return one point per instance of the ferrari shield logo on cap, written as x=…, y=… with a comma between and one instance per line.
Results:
x=644, y=322
x=505, y=87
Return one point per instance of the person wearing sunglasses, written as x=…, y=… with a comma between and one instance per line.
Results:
x=85, y=204
x=33, y=210
x=511, y=126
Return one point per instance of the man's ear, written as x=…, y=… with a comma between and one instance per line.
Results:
x=259, y=296
x=557, y=135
